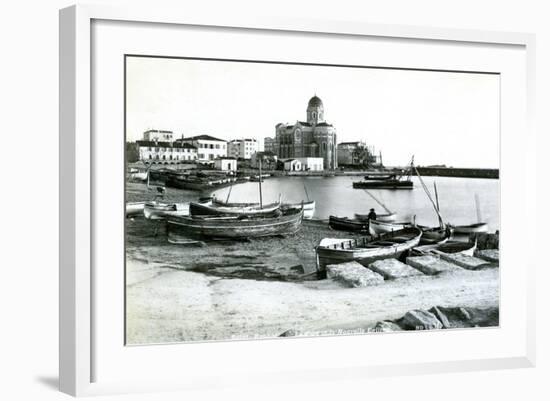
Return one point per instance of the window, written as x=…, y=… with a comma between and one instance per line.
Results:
x=211, y=146
x=201, y=155
x=217, y=146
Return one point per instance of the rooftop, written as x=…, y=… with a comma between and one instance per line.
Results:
x=203, y=138
x=160, y=144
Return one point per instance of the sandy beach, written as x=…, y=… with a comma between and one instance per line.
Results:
x=264, y=287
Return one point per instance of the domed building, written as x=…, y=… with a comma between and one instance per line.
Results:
x=311, y=138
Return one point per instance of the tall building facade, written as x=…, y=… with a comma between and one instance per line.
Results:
x=242, y=148
x=311, y=138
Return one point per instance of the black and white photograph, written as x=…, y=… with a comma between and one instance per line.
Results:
x=269, y=199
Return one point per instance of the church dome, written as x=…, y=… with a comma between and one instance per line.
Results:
x=315, y=102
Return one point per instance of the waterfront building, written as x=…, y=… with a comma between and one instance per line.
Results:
x=304, y=164
x=157, y=135
x=270, y=145
x=311, y=138
x=225, y=164
x=357, y=154
x=155, y=152
x=242, y=148
x=208, y=147
x=269, y=160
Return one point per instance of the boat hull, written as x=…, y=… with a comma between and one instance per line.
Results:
x=160, y=211
x=309, y=208
x=235, y=227
x=345, y=224
x=383, y=184
x=381, y=227
x=134, y=208
x=196, y=209
x=364, y=251
x=472, y=228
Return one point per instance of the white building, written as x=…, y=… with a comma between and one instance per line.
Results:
x=225, y=164
x=242, y=148
x=208, y=147
x=157, y=135
x=154, y=152
x=304, y=164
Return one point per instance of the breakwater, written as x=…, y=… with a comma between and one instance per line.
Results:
x=458, y=172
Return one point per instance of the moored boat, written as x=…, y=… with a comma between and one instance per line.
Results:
x=284, y=222
x=384, y=184
x=365, y=250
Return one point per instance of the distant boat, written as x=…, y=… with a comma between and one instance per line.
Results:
x=235, y=227
x=472, y=228
x=134, y=208
x=197, y=209
x=345, y=224
x=365, y=250
x=384, y=184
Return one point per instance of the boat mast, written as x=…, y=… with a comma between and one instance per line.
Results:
x=307, y=195
x=436, y=208
x=260, y=182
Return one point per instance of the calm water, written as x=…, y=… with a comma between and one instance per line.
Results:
x=335, y=196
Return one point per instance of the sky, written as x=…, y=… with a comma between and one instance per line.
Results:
x=439, y=117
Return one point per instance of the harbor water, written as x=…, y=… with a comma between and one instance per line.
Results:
x=336, y=196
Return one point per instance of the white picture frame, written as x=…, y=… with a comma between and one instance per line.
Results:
x=79, y=373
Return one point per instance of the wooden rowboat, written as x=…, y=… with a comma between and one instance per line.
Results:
x=345, y=224
x=472, y=228
x=197, y=209
x=234, y=227
x=365, y=250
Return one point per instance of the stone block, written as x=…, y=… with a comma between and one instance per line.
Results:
x=353, y=274
x=392, y=269
x=490, y=255
x=465, y=261
x=386, y=326
x=430, y=264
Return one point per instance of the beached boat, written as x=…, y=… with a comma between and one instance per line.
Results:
x=365, y=250
x=388, y=217
x=435, y=235
x=381, y=227
x=309, y=208
x=156, y=210
x=284, y=222
x=472, y=228
x=451, y=246
x=345, y=224
x=134, y=208
x=198, y=209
